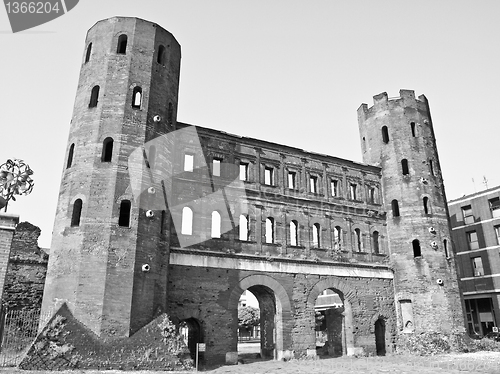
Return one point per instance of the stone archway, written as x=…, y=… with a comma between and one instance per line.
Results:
x=276, y=313
x=191, y=331
x=380, y=326
x=348, y=298
x=380, y=342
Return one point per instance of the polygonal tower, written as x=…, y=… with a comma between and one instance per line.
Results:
x=397, y=135
x=109, y=254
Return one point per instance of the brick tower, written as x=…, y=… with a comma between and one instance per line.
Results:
x=397, y=135
x=109, y=255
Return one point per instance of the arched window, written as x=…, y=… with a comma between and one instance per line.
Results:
x=216, y=224
x=107, y=150
x=170, y=113
x=416, y=248
x=446, y=251
x=404, y=166
x=243, y=227
x=187, y=221
x=293, y=233
x=70, y=156
x=358, y=239
x=395, y=208
x=89, y=51
x=122, y=44
x=426, y=205
x=316, y=235
x=375, y=239
x=385, y=134
x=269, y=230
x=413, y=129
x=94, y=97
x=337, y=237
x=160, y=58
x=151, y=156
x=77, y=213
x=124, y=218
x=137, y=97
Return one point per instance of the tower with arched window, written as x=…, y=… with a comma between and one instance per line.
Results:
x=397, y=135
x=127, y=90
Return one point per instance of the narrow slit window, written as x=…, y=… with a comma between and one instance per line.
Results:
x=376, y=243
x=137, y=98
x=216, y=224
x=445, y=246
x=244, y=227
x=162, y=223
x=187, y=221
x=293, y=233
x=94, y=97
x=316, y=235
x=77, y=213
x=161, y=55
x=269, y=230
x=431, y=168
x=426, y=205
x=70, y=156
x=358, y=240
x=497, y=234
x=416, y=248
x=124, y=218
x=89, y=52
x=385, y=134
x=122, y=44
x=413, y=129
x=107, y=150
x=404, y=166
x=395, y=208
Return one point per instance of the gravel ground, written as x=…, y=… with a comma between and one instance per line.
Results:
x=479, y=362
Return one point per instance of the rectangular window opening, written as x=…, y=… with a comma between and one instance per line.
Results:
x=472, y=240
x=188, y=162
x=216, y=167
x=243, y=171
x=334, y=186
x=291, y=180
x=477, y=266
x=269, y=176
x=313, y=184
x=352, y=191
x=495, y=207
x=467, y=214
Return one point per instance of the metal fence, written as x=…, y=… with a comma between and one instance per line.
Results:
x=18, y=329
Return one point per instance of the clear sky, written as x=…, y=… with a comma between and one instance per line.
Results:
x=287, y=71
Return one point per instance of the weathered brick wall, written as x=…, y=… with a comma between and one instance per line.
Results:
x=26, y=271
x=7, y=226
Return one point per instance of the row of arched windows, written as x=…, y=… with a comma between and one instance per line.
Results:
x=395, y=206
x=417, y=251
x=121, y=49
x=270, y=230
x=385, y=132
x=123, y=218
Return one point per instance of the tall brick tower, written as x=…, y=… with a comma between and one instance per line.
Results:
x=109, y=255
x=397, y=135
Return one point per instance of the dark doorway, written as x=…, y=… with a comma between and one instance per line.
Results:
x=190, y=330
x=380, y=337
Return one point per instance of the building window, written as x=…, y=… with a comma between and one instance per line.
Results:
x=77, y=213
x=107, y=150
x=372, y=195
x=413, y=129
x=160, y=58
x=472, y=240
x=216, y=167
x=375, y=240
x=313, y=184
x=385, y=134
x=446, y=250
x=269, y=176
x=316, y=235
x=170, y=114
x=495, y=207
x=357, y=233
x=337, y=237
x=89, y=51
x=395, y=208
x=124, y=217
x=406, y=315
x=216, y=224
x=352, y=191
x=244, y=227
x=426, y=205
x=291, y=180
x=137, y=97
x=404, y=166
x=243, y=171
x=467, y=213
x=187, y=221
x=122, y=44
x=335, y=188
x=70, y=156
x=94, y=97
x=416, y=248
x=188, y=162
x=477, y=266
x=431, y=168
x=269, y=230
x=293, y=233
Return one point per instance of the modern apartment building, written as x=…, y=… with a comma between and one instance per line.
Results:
x=475, y=221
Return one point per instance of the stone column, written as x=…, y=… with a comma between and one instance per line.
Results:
x=8, y=224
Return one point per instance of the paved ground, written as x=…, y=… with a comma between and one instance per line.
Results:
x=480, y=362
